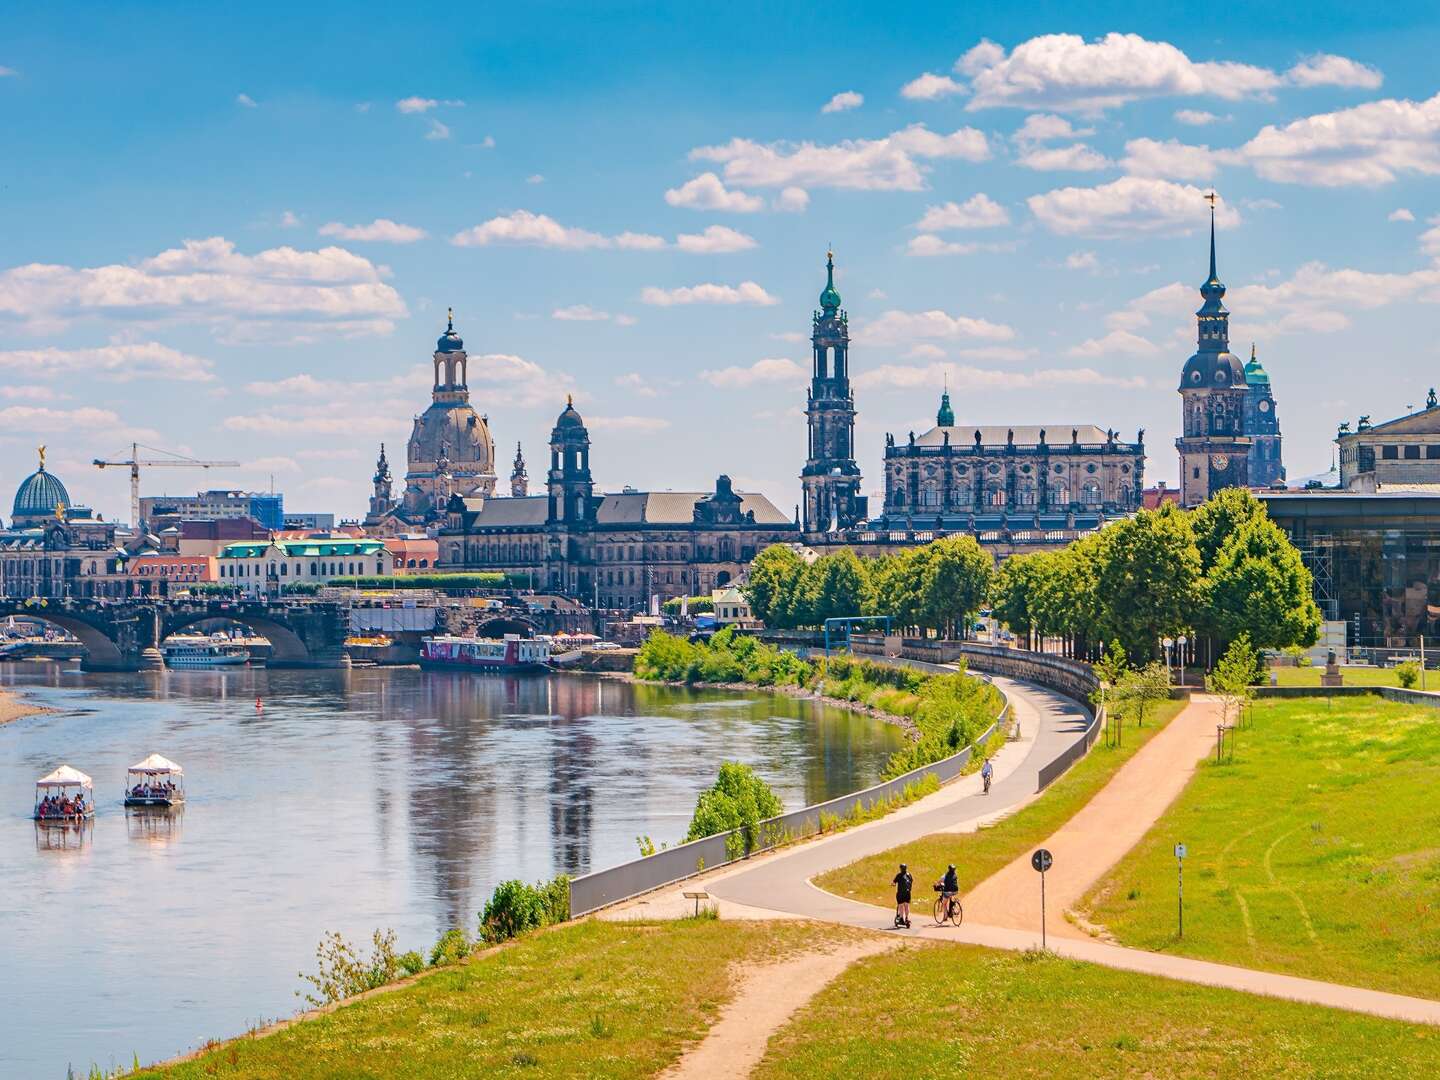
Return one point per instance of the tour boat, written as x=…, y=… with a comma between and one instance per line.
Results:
x=64, y=796
x=511, y=653
x=156, y=781
x=204, y=652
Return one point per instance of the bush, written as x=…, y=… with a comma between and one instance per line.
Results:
x=516, y=907
x=698, y=605
x=344, y=971
x=453, y=946
x=737, y=802
x=412, y=962
x=488, y=579
x=1408, y=673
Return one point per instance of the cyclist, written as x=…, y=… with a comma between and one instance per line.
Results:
x=903, y=883
x=987, y=771
x=949, y=885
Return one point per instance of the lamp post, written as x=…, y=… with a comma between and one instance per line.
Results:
x=1181, y=641
x=1168, y=643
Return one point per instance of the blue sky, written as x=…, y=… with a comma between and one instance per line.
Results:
x=235, y=234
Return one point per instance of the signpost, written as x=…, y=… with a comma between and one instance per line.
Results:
x=1180, y=869
x=1042, y=861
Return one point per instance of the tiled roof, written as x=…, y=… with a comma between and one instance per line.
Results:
x=675, y=508
x=512, y=512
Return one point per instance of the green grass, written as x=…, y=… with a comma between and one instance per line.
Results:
x=979, y=854
x=1316, y=853
x=594, y=999
x=958, y=1011
x=1352, y=676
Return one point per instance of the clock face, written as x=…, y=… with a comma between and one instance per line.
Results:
x=1219, y=462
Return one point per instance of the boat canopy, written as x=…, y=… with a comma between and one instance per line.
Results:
x=65, y=776
x=156, y=765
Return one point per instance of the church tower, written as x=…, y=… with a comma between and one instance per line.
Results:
x=569, y=483
x=519, y=479
x=1262, y=424
x=1214, y=448
x=831, y=478
x=380, y=501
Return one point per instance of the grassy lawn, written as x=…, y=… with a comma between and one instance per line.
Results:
x=1353, y=676
x=977, y=855
x=596, y=999
x=959, y=1011
x=1317, y=852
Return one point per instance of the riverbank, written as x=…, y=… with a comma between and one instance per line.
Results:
x=15, y=707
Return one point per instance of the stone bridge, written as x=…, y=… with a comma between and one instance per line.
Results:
x=125, y=635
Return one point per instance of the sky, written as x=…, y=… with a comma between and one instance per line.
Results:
x=234, y=234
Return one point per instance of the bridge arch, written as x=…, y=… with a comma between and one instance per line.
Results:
x=501, y=625
x=102, y=653
x=287, y=647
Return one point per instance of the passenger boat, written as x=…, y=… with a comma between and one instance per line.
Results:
x=203, y=652
x=64, y=796
x=156, y=781
x=511, y=653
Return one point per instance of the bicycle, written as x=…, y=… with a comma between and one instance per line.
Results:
x=948, y=908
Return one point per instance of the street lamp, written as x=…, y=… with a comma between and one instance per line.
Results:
x=1181, y=641
x=1168, y=643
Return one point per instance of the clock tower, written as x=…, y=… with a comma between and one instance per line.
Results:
x=1214, y=446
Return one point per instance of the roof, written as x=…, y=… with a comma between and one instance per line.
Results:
x=64, y=776
x=999, y=434
x=324, y=548
x=1424, y=422
x=157, y=764
x=39, y=493
x=676, y=508
x=511, y=512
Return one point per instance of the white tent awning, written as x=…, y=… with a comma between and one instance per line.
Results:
x=65, y=776
x=155, y=765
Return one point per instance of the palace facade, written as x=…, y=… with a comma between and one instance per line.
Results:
x=54, y=548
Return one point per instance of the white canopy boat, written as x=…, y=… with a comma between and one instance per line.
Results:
x=156, y=781
x=64, y=796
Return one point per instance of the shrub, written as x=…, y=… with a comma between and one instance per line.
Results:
x=412, y=962
x=738, y=800
x=344, y=971
x=516, y=907
x=453, y=946
x=1408, y=673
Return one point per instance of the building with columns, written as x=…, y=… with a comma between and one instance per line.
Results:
x=1214, y=445
x=830, y=481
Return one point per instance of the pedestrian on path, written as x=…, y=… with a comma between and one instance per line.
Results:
x=903, y=883
x=986, y=772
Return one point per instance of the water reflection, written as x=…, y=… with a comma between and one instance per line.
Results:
x=354, y=800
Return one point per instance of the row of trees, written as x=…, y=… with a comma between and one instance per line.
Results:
x=1221, y=570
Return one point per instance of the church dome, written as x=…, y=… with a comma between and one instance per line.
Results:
x=570, y=418
x=450, y=341
x=1255, y=374
x=1213, y=371
x=829, y=297
x=39, y=494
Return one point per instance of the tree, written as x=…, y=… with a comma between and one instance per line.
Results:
x=954, y=583
x=1010, y=588
x=1259, y=587
x=1149, y=579
x=896, y=580
x=771, y=584
x=738, y=800
x=1233, y=677
x=1221, y=517
x=833, y=586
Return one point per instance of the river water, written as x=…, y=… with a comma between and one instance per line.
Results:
x=353, y=800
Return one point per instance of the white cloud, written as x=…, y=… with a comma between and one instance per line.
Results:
x=381, y=230
x=625, y=320
x=1131, y=204
x=1323, y=69
x=927, y=244
x=1195, y=117
x=929, y=86
x=846, y=99
x=935, y=325
x=417, y=104
x=487, y=143
x=579, y=313
x=902, y=377
x=535, y=178
x=708, y=192
x=891, y=163
x=40, y=419
x=1043, y=127
x=716, y=240
x=1171, y=158
x=437, y=130
x=792, y=200
x=637, y=384
x=877, y=294
x=633, y=241
x=289, y=220
x=113, y=363
x=245, y=100
x=1075, y=158
x=277, y=290
x=1122, y=342
x=1400, y=215
x=926, y=352
x=8, y=73
x=1082, y=260
x=1367, y=145
x=747, y=292
x=977, y=212
x=622, y=424
x=540, y=230
x=773, y=369
x=29, y=393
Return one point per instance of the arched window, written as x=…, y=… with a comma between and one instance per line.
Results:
x=1059, y=496
x=930, y=495
x=995, y=496
x=1090, y=493
x=284, y=569
x=313, y=571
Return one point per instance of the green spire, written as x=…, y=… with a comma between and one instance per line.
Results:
x=946, y=416
x=1255, y=374
x=830, y=299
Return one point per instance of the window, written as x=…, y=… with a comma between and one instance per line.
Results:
x=1412, y=453
x=1389, y=453
x=1432, y=452
x=1090, y=494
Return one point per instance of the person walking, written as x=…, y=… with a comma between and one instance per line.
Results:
x=987, y=771
x=903, y=884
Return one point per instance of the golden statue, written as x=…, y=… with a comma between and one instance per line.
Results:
x=42, y=458
x=59, y=511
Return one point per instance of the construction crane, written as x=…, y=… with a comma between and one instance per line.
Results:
x=174, y=461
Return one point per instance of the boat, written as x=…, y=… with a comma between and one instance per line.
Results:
x=203, y=652
x=156, y=781
x=64, y=796
x=510, y=653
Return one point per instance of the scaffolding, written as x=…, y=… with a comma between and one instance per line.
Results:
x=1317, y=551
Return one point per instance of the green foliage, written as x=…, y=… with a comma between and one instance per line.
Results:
x=771, y=584
x=1408, y=673
x=1149, y=577
x=951, y=711
x=452, y=947
x=1233, y=678
x=344, y=971
x=738, y=800
x=1221, y=517
x=954, y=585
x=412, y=963
x=1259, y=586
x=646, y=846
x=515, y=908
x=727, y=657
x=698, y=605
x=1112, y=666
x=489, y=579
x=833, y=587
x=1136, y=694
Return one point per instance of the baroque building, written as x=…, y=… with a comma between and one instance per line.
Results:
x=831, y=477
x=1213, y=444
x=1399, y=455
x=1262, y=424
x=54, y=548
x=617, y=549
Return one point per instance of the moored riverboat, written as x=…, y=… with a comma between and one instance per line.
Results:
x=511, y=653
x=204, y=653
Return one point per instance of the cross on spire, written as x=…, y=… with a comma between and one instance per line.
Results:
x=1210, y=198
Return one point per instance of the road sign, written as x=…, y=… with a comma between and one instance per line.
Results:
x=1041, y=860
x=1179, y=851
x=1180, y=887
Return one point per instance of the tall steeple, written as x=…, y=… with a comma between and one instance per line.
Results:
x=1213, y=318
x=380, y=500
x=946, y=416
x=831, y=478
x=519, y=479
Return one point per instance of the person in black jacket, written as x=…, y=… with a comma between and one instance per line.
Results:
x=903, y=883
x=949, y=885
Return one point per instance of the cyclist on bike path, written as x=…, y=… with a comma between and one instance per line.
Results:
x=986, y=772
x=903, y=883
x=950, y=884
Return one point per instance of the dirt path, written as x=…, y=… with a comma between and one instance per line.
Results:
x=1107, y=827
x=767, y=996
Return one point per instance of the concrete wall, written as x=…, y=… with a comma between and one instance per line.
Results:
x=1073, y=678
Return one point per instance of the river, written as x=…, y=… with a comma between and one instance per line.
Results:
x=352, y=800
